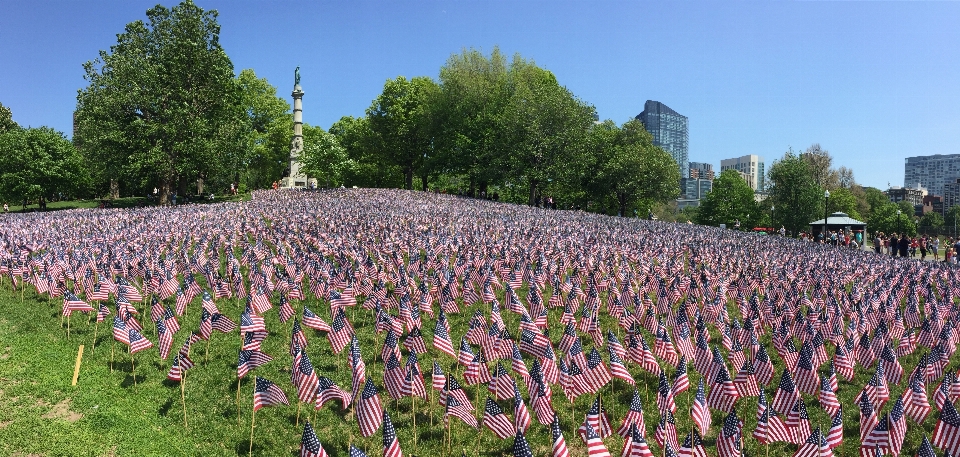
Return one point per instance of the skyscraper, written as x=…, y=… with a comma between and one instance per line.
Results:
x=750, y=165
x=931, y=171
x=669, y=130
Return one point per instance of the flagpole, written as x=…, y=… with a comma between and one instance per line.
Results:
x=413, y=401
x=96, y=327
x=183, y=398
x=133, y=367
x=299, y=404
x=68, y=325
x=238, y=400
x=253, y=419
x=113, y=347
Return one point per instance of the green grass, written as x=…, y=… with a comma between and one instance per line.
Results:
x=124, y=202
x=107, y=414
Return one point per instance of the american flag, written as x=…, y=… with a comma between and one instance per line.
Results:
x=618, y=369
x=250, y=322
x=926, y=450
x=297, y=338
x=521, y=448
x=635, y=445
x=828, y=399
x=170, y=320
x=868, y=417
x=521, y=416
x=787, y=394
x=898, y=427
x=798, y=421
x=811, y=447
x=915, y=401
x=453, y=407
x=559, y=444
x=306, y=379
x=681, y=382
x=501, y=384
x=692, y=446
x=700, y=412
x=438, y=380
x=595, y=447
x=665, y=400
x=310, y=444
x=313, y=321
x=413, y=379
x=164, y=339
x=138, y=342
x=878, y=437
x=120, y=332
x=266, y=393
x=495, y=420
x=328, y=391
x=369, y=410
x=249, y=360
x=597, y=420
x=746, y=382
x=176, y=370
x=340, y=332
x=771, y=428
x=253, y=340
x=634, y=417
x=728, y=440
x=354, y=452
x=414, y=341
x=891, y=366
x=391, y=446
x=723, y=394
x=946, y=434
x=666, y=432
x=393, y=377
x=441, y=339
x=222, y=324
x=835, y=434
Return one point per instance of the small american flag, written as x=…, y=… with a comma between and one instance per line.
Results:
x=249, y=360
x=391, y=446
x=495, y=420
x=310, y=444
x=559, y=444
x=369, y=410
x=266, y=393
x=946, y=434
x=521, y=448
x=138, y=342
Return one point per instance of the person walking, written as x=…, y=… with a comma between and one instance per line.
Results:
x=935, y=247
x=923, y=248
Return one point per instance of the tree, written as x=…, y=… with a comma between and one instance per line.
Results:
x=932, y=222
x=162, y=105
x=818, y=162
x=401, y=118
x=843, y=200
x=362, y=147
x=794, y=193
x=323, y=157
x=885, y=219
x=267, y=144
x=40, y=163
x=731, y=200
x=6, y=120
x=951, y=219
x=632, y=170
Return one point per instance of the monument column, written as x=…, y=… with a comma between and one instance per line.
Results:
x=296, y=177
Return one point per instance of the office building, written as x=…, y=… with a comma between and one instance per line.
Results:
x=933, y=171
x=951, y=194
x=914, y=196
x=669, y=130
x=695, y=188
x=751, y=166
x=701, y=170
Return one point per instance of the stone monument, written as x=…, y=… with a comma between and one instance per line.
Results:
x=296, y=178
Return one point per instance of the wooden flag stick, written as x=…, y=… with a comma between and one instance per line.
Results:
x=238, y=399
x=183, y=398
x=413, y=401
x=76, y=368
x=113, y=347
x=253, y=419
x=68, y=325
x=133, y=370
x=299, y=404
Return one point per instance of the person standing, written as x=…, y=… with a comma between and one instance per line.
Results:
x=893, y=244
x=904, y=246
x=935, y=247
x=923, y=248
x=877, y=243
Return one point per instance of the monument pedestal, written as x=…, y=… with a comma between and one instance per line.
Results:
x=296, y=179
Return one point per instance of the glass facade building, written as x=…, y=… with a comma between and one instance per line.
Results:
x=669, y=130
x=932, y=172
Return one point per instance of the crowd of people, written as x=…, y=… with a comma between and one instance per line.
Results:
x=910, y=246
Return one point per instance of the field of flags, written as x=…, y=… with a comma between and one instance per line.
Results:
x=381, y=322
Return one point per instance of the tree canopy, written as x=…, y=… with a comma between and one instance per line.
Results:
x=162, y=105
x=731, y=200
x=40, y=163
x=794, y=192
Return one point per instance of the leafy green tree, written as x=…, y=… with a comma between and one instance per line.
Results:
x=951, y=219
x=931, y=221
x=730, y=200
x=545, y=127
x=794, y=193
x=362, y=147
x=40, y=163
x=885, y=219
x=163, y=106
x=474, y=94
x=267, y=144
x=402, y=119
x=323, y=157
x=6, y=120
x=843, y=200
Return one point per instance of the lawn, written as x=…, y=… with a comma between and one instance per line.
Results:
x=107, y=413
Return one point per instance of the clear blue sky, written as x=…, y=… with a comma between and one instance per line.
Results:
x=872, y=82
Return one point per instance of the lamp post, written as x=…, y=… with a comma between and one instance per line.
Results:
x=826, y=212
x=898, y=222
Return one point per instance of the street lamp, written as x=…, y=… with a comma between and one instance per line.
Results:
x=826, y=204
x=898, y=222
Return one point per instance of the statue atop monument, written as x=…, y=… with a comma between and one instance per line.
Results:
x=296, y=76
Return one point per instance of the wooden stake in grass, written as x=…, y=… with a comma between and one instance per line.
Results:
x=183, y=398
x=68, y=325
x=253, y=418
x=238, y=401
x=113, y=347
x=413, y=401
x=299, y=404
x=76, y=368
x=133, y=367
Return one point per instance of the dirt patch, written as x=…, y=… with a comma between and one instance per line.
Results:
x=5, y=424
x=20, y=454
x=6, y=353
x=62, y=411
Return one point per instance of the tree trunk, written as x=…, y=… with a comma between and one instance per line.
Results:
x=622, y=199
x=426, y=180
x=408, y=172
x=199, y=186
x=533, y=193
x=114, y=189
x=164, y=192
